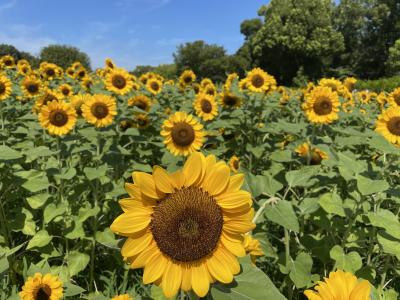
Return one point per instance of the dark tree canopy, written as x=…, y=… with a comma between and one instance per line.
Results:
x=64, y=56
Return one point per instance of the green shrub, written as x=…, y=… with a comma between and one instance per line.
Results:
x=379, y=85
x=10, y=50
x=64, y=56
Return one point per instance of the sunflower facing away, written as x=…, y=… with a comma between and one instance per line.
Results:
x=31, y=86
x=234, y=163
x=205, y=106
x=321, y=105
x=5, y=87
x=39, y=287
x=252, y=247
x=186, y=228
x=118, y=81
x=122, y=297
x=182, y=134
x=388, y=124
x=230, y=100
x=99, y=110
x=313, y=153
x=340, y=285
x=154, y=85
x=140, y=101
x=57, y=117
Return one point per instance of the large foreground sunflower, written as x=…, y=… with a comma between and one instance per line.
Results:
x=339, y=286
x=39, y=287
x=118, y=81
x=205, y=106
x=388, y=124
x=186, y=228
x=57, y=117
x=321, y=105
x=5, y=87
x=182, y=134
x=99, y=110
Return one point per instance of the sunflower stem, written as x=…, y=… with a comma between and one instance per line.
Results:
x=2, y=120
x=385, y=269
x=263, y=206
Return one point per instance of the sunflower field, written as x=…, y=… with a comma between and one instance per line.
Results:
x=118, y=187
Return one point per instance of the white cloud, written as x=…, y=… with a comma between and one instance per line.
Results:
x=29, y=44
x=8, y=5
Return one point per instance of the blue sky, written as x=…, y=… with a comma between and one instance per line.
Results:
x=132, y=32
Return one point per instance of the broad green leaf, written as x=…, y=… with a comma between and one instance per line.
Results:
x=51, y=211
x=281, y=156
x=157, y=293
x=368, y=186
x=283, y=214
x=389, y=244
x=72, y=290
x=386, y=219
x=250, y=284
x=36, y=184
x=37, y=201
x=40, y=239
x=300, y=270
x=7, y=153
x=77, y=262
x=301, y=177
x=107, y=238
x=332, y=204
x=350, y=262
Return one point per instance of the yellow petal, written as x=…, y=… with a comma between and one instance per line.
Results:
x=130, y=204
x=130, y=222
x=162, y=180
x=154, y=268
x=194, y=168
x=218, y=269
x=186, y=279
x=146, y=183
x=140, y=260
x=172, y=279
x=132, y=246
x=232, y=245
x=200, y=280
x=236, y=201
x=177, y=179
x=229, y=259
x=238, y=226
x=235, y=183
x=217, y=180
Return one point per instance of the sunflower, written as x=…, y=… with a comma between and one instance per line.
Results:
x=209, y=89
x=394, y=98
x=350, y=83
x=70, y=72
x=140, y=101
x=364, y=97
x=49, y=70
x=24, y=69
x=186, y=228
x=87, y=83
x=31, y=86
x=144, y=77
x=187, y=77
x=141, y=121
x=125, y=124
x=206, y=107
x=332, y=83
x=5, y=87
x=47, y=96
x=7, y=61
x=77, y=65
x=123, y=297
x=340, y=285
x=78, y=100
x=39, y=287
x=388, y=124
x=205, y=82
x=118, y=81
x=81, y=73
x=109, y=63
x=252, y=247
x=196, y=88
x=234, y=163
x=230, y=100
x=99, y=110
x=229, y=80
x=65, y=89
x=382, y=99
x=154, y=85
x=57, y=117
x=182, y=134
x=321, y=105
x=260, y=81
x=313, y=154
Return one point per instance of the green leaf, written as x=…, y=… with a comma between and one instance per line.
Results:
x=350, y=262
x=389, y=244
x=6, y=153
x=250, y=284
x=36, y=184
x=51, y=211
x=368, y=186
x=281, y=156
x=40, y=239
x=301, y=177
x=300, y=270
x=37, y=201
x=386, y=219
x=34, y=153
x=107, y=238
x=72, y=290
x=77, y=262
x=157, y=293
x=380, y=143
x=283, y=214
x=332, y=204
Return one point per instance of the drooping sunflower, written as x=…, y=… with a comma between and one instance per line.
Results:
x=340, y=285
x=99, y=110
x=31, y=86
x=187, y=77
x=109, y=63
x=394, y=98
x=141, y=121
x=78, y=100
x=388, y=124
x=209, y=89
x=186, y=228
x=77, y=65
x=234, y=163
x=321, y=105
x=314, y=154
x=205, y=82
x=154, y=85
x=252, y=247
x=57, y=117
x=123, y=297
x=7, y=61
x=229, y=80
x=205, y=106
x=230, y=100
x=5, y=87
x=65, y=89
x=350, y=83
x=182, y=134
x=39, y=287
x=118, y=81
x=140, y=101
x=259, y=81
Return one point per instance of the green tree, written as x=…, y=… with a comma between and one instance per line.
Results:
x=64, y=56
x=393, y=62
x=14, y=52
x=296, y=35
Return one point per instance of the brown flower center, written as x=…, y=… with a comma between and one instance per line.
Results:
x=58, y=118
x=210, y=91
x=187, y=224
x=206, y=106
x=65, y=91
x=32, y=88
x=99, y=110
x=155, y=86
x=118, y=81
x=2, y=88
x=323, y=106
x=397, y=99
x=48, y=98
x=8, y=62
x=235, y=164
x=257, y=81
x=82, y=73
x=187, y=79
x=393, y=125
x=183, y=134
x=141, y=104
x=43, y=293
x=50, y=72
x=230, y=100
